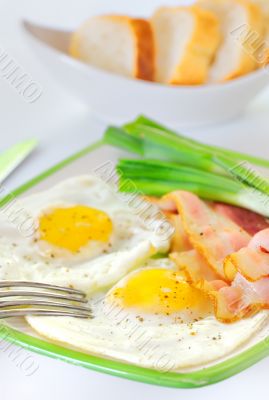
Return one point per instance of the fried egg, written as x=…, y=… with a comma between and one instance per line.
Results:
x=83, y=230
x=152, y=318
x=160, y=295
x=81, y=234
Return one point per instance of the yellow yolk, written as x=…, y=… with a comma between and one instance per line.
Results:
x=73, y=227
x=161, y=291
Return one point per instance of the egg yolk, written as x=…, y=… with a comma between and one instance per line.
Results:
x=160, y=291
x=73, y=227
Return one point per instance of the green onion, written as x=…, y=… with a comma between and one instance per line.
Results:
x=172, y=161
x=141, y=122
x=156, y=178
x=119, y=138
x=157, y=144
x=174, y=172
x=244, y=173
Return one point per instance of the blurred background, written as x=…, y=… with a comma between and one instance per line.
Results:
x=57, y=112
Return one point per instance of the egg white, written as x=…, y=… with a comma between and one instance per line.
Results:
x=161, y=343
x=158, y=343
x=25, y=257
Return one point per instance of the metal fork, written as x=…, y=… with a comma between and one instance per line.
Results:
x=32, y=298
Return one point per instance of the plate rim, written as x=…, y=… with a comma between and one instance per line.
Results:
x=194, y=379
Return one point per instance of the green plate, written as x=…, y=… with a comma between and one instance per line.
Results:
x=86, y=161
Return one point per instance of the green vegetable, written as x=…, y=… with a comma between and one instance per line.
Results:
x=156, y=178
x=173, y=161
x=244, y=173
x=119, y=138
x=138, y=126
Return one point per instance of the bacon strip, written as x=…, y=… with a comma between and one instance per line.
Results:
x=239, y=300
x=248, y=269
x=252, y=261
x=229, y=301
x=217, y=256
x=246, y=219
x=228, y=304
x=193, y=265
x=180, y=241
x=212, y=235
x=254, y=295
x=166, y=205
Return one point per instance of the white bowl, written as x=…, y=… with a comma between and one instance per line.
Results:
x=119, y=99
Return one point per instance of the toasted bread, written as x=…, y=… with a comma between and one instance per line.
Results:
x=186, y=39
x=118, y=44
x=242, y=26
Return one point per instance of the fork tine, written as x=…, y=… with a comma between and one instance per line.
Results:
x=38, y=312
x=37, y=302
x=18, y=303
x=24, y=293
x=7, y=284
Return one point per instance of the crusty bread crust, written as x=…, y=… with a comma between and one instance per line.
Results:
x=197, y=53
x=256, y=24
x=251, y=33
x=143, y=43
x=145, y=49
x=193, y=69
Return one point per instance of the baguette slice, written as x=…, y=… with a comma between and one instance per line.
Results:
x=118, y=44
x=242, y=25
x=186, y=39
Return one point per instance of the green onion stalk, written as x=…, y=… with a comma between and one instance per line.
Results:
x=170, y=161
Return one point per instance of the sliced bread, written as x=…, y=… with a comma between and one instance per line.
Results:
x=186, y=39
x=118, y=44
x=242, y=26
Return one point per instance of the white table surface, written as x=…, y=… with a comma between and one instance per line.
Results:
x=63, y=126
